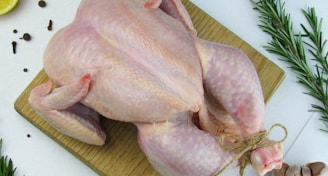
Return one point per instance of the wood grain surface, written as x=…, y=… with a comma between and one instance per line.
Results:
x=121, y=154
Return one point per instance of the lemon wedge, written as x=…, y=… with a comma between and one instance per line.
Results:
x=7, y=5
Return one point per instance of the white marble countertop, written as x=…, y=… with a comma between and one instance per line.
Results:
x=39, y=155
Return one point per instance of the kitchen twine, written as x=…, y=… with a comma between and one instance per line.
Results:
x=244, y=148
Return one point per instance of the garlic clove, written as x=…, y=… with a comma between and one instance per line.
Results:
x=279, y=172
x=293, y=171
x=318, y=169
x=306, y=171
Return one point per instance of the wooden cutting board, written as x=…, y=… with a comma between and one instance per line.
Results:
x=121, y=154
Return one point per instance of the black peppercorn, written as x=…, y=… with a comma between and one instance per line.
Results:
x=27, y=37
x=42, y=4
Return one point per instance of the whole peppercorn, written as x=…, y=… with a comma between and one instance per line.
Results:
x=27, y=37
x=42, y=4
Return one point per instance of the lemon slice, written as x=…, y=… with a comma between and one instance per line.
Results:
x=7, y=5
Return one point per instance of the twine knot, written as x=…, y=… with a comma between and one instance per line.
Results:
x=243, y=148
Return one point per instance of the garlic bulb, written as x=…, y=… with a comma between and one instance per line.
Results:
x=311, y=169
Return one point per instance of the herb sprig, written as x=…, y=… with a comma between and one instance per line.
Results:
x=295, y=49
x=6, y=166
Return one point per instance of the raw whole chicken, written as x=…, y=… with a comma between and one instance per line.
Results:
x=140, y=61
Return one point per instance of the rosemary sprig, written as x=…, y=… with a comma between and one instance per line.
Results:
x=294, y=49
x=6, y=167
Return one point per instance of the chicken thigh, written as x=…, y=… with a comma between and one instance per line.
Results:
x=140, y=61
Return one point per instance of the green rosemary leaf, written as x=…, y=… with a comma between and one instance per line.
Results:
x=291, y=48
x=317, y=108
x=0, y=146
x=325, y=130
x=318, y=44
x=312, y=48
x=325, y=120
x=6, y=166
